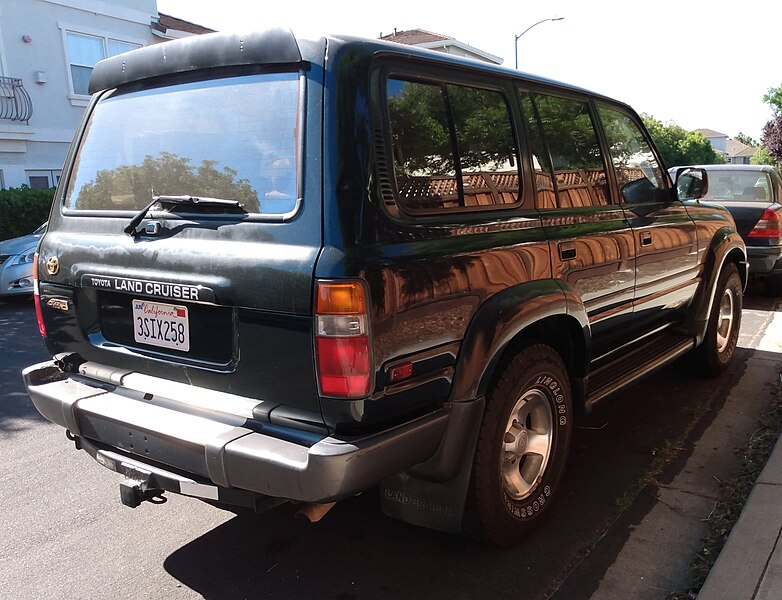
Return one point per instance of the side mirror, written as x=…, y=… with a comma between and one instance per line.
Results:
x=691, y=183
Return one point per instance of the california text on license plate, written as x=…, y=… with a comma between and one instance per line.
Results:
x=164, y=325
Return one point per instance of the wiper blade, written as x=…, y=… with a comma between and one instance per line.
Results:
x=196, y=200
x=190, y=200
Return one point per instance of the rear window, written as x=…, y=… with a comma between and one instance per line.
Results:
x=234, y=139
x=730, y=184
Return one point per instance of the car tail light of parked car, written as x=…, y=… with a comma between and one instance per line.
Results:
x=769, y=226
x=342, y=339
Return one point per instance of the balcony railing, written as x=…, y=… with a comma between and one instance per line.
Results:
x=15, y=103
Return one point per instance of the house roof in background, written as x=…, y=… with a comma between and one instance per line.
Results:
x=710, y=133
x=437, y=41
x=166, y=23
x=737, y=148
x=413, y=37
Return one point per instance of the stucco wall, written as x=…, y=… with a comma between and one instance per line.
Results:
x=719, y=143
x=32, y=47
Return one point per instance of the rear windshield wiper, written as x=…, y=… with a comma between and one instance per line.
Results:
x=187, y=200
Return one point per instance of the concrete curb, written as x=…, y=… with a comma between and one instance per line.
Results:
x=749, y=566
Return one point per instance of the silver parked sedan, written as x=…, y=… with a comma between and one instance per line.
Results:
x=16, y=263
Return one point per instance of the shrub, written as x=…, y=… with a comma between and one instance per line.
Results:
x=22, y=210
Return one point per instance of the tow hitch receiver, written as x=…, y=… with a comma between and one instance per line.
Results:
x=133, y=492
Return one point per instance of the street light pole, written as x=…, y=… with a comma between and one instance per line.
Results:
x=516, y=41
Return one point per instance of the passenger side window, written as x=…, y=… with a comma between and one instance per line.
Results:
x=577, y=161
x=541, y=163
x=638, y=173
x=453, y=147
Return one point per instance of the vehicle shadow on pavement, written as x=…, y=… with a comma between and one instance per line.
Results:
x=20, y=346
x=356, y=552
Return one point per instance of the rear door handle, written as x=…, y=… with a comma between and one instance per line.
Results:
x=567, y=250
x=646, y=239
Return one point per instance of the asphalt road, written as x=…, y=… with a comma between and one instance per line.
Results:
x=66, y=535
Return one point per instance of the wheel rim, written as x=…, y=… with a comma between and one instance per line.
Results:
x=526, y=445
x=725, y=320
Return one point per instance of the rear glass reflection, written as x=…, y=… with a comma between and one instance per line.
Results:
x=233, y=139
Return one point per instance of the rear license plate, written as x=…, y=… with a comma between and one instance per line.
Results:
x=164, y=325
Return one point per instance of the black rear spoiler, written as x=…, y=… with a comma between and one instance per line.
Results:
x=273, y=46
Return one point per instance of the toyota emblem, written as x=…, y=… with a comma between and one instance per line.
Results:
x=52, y=265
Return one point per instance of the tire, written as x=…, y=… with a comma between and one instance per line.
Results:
x=522, y=447
x=716, y=351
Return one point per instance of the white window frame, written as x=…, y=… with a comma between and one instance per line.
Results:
x=3, y=68
x=65, y=29
x=52, y=175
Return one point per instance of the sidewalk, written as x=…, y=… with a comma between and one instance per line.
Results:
x=749, y=566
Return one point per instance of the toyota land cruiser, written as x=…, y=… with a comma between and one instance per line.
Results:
x=287, y=269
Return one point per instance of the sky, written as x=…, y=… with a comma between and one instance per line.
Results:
x=696, y=63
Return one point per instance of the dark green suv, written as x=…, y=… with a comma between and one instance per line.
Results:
x=285, y=269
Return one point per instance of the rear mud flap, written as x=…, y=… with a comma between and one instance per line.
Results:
x=433, y=494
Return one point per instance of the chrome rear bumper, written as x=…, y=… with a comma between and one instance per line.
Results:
x=213, y=442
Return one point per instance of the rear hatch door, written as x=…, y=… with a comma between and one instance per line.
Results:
x=183, y=243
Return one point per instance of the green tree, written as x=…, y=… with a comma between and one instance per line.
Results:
x=679, y=146
x=569, y=132
x=22, y=210
x=772, y=137
x=772, y=131
x=763, y=157
x=745, y=139
x=773, y=97
x=130, y=187
x=422, y=115
x=419, y=126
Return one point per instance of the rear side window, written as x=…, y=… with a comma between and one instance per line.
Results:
x=453, y=147
x=637, y=170
x=234, y=139
x=576, y=159
x=730, y=184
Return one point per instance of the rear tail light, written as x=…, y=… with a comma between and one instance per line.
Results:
x=769, y=226
x=342, y=339
x=37, y=298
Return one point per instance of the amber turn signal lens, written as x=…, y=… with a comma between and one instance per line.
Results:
x=340, y=298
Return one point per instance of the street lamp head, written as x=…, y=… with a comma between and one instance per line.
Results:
x=516, y=40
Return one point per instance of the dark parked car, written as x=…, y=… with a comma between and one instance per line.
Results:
x=753, y=195
x=16, y=264
x=291, y=269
